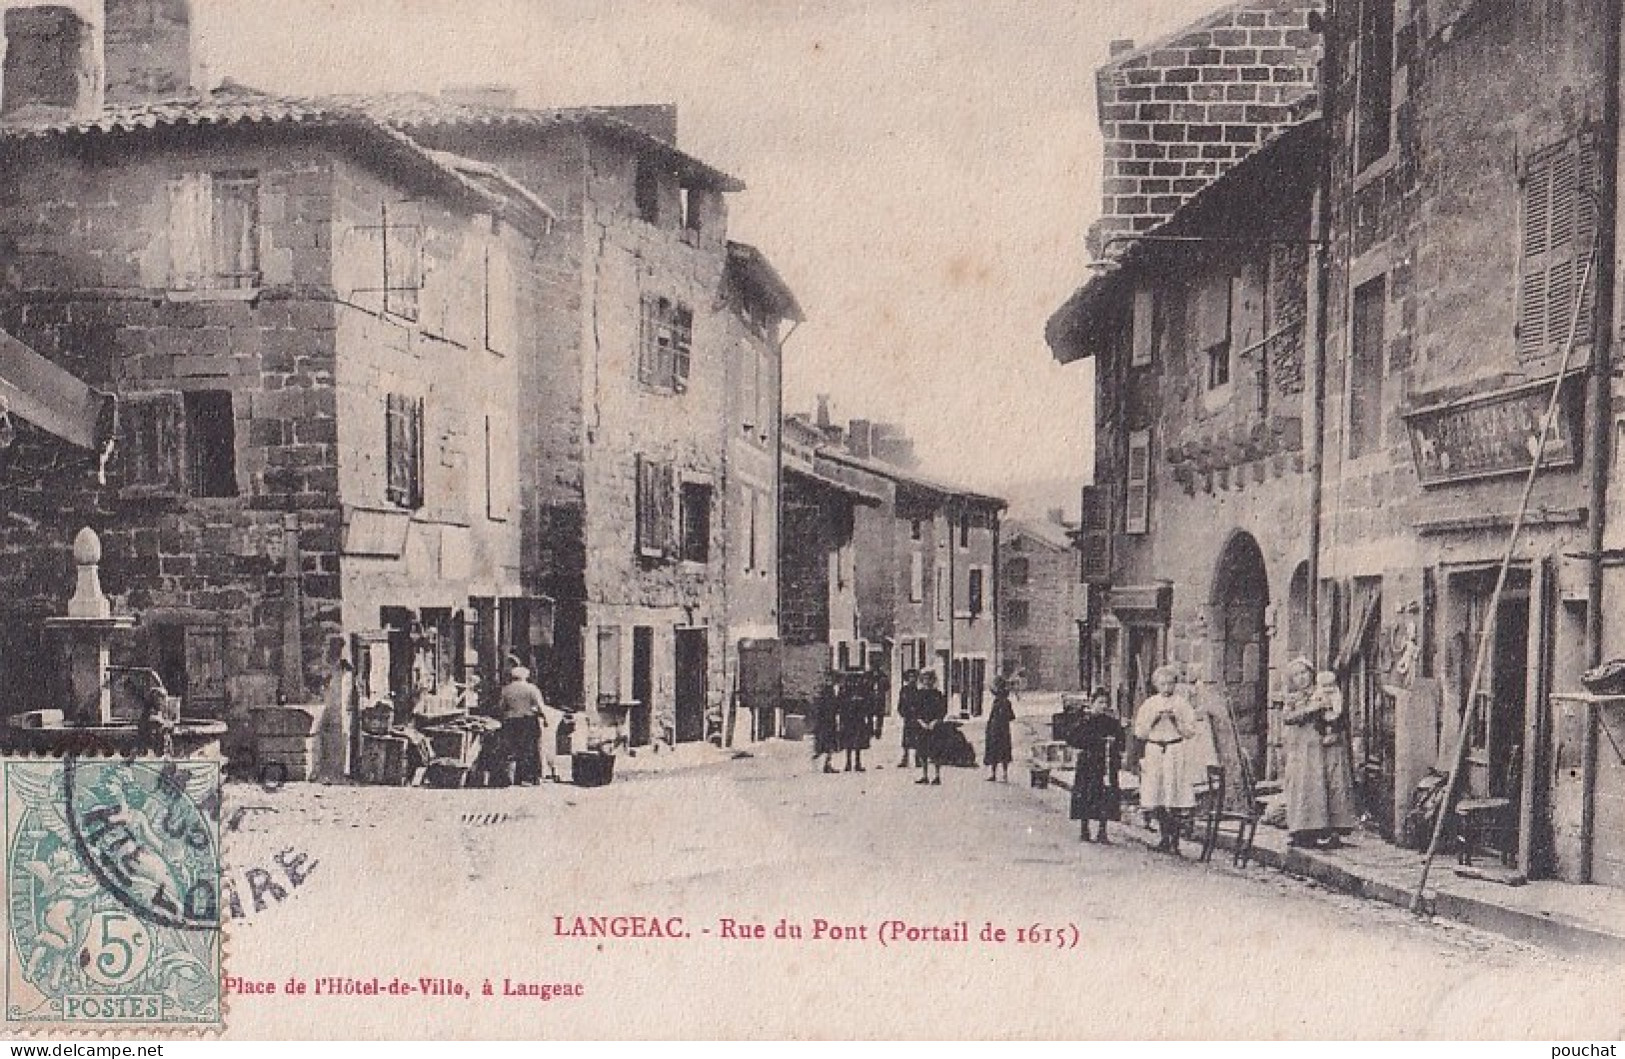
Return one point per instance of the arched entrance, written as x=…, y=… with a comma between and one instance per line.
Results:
x=1240, y=652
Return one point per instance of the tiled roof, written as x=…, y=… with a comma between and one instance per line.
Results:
x=911, y=478
x=419, y=110
x=1042, y=530
x=234, y=106
x=755, y=267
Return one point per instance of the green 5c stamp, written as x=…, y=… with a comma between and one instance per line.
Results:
x=112, y=892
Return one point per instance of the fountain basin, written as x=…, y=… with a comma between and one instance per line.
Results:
x=197, y=738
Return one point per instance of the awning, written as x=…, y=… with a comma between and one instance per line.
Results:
x=36, y=390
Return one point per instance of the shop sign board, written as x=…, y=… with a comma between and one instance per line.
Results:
x=1493, y=434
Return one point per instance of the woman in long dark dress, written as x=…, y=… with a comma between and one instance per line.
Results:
x=826, y=721
x=855, y=721
x=1098, y=737
x=998, y=750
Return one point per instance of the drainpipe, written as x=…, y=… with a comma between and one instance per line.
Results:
x=1599, y=400
x=1319, y=289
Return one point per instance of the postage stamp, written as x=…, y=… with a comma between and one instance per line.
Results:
x=112, y=877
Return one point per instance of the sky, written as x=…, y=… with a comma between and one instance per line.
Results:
x=922, y=172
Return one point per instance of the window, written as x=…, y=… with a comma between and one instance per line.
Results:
x=499, y=475
x=609, y=664
x=1215, y=304
x=1559, y=227
x=664, y=348
x=1137, y=486
x=916, y=577
x=939, y=581
x=191, y=661
x=1366, y=366
x=654, y=515
x=214, y=231
x=174, y=445
x=1095, y=535
x=1374, y=117
x=1017, y=613
x=964, y=530
x=646, y=191
x=695, y=505
x=403, y=448
x=1017, y=571
x=501, y=315
x=1144, y=316
x=916, y=530
x=402, y=235
x=692, y=200
x=750, y=546
x=211, y=444
x=974, y=590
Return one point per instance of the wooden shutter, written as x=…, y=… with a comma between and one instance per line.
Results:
x=656, y=537
x=205, y=665
x=234, y=230
x=1137, y=485
x=1559, y=225
x=403, y=436
x=1145, y=305
x=682, y=339
x=1095, y=534
x=916, y=577
x=403, y=260
x=501, y=314
x=152, y=445
x=189, y=230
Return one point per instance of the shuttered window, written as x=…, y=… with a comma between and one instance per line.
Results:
x=1559, y=227
x=214, y=239
x=403, y=449
x=1095, y=535
x=151, y=452
x=656, y=483
x=665, y=344
x=1367, y=365
x=1145, y=305
x=1137, y=484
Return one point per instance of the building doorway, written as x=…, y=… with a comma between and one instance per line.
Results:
x=640, y=718
x=690, y=685
x=1240, y=653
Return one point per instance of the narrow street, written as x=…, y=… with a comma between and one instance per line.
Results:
x=758, y=839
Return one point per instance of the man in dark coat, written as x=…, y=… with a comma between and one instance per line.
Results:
x=826, y=721
x=908, y=708
x=856, y=721
x=1098, y=737
x=931, y=707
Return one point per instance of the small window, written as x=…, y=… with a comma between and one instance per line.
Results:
x=1137, y=487
x=1217, y=302
x=1374, y=117
x=609, y=664
x=696, y=517
x=211, y=444
x=975, y=590
x=1145, y=304
x=1366, y=366
x=1017, y=613
x=403, y=448
x=1017, y=571
x=665, y=347
x=916, y=529
x=647, y=191
x=402, y=235
x=751, y=545
x=654, y=515
x=692, y=200
x=214, y=231
x=964, y=530
x=940, y=585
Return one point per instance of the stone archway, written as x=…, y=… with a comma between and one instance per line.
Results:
x=1239, y=645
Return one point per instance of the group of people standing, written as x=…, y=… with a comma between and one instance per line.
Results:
x=848, y=715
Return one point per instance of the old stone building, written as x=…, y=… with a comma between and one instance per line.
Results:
x=1456, y=327
x=314, y=328
x=493, y=378
x=649, y=455
x=1041, y=601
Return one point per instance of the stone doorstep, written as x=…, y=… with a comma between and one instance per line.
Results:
x=1336, y=870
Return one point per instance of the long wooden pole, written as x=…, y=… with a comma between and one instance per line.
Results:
x=1471, y=709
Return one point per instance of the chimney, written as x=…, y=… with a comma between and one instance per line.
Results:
x=860, y=438
x=1057, y=516
x=51, y=71
x=147, y=48
x=823, y=419
x=1121, y=46
x=493, y=94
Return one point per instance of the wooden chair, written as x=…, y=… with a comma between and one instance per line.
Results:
x=1219, y=818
